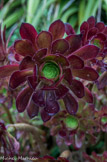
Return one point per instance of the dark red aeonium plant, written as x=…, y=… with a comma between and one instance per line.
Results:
x=51, y=67
x=96, y=33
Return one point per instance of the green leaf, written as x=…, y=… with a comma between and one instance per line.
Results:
x=13, y=18
x=81, y=11
x=68, y=13
x=32, y=6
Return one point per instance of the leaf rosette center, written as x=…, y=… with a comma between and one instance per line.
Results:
x=51, y=70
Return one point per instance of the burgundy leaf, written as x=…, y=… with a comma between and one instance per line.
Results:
x=19, y=77
x=62, y=60
x=7, y=70
x=68, y=75
x=23, y=99
x=59, y=46
x=101, y=36
x=48, y=58
x=91, y=22
x=84, y=30
x=70, y=104
x=75, y=62
x=105, y=30
x=92, y=32
x=45, y=117
x=44, y=40
x=32, y=109
x=84, y=26
x=32, y=82
x=39, y=98
x=78, y=88
x=61, y=91
x=86, y=73
x=24, y=47
x=27, y=31
x=88, y=96
x=87, y=52
x=75, y=42
x=39, y=55
x=57, y=28
x=69, y=29
x=26, y=63
x=52, y=106
x=100, y=26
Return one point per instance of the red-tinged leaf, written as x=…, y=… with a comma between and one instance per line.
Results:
x=88, y=96
x=32, y=109
x=7, y=70
x=52, y=106
x=86, y=73
x=46, y=81
x=102, y=81
x=19, y=77
x=24, y=47
x=93, y=31
x=39, y=55
x=48, y=58
x=101, y=36
x=77, y=88
x=45, y=117
x=62, y=60
x=39, y=98
x=23, y=99
x=44, y=40
x=27, y=31
x=75, y=62
x=100, y=26
x=87, y=52
x=91, y=22
x=26, y=63
x=61, y=91
x=59, y=46
x=68, y=75
x=84, y=26
x=57, y=28
x=70, y=104
x=69, y=29
x=105, y=30
x=75, y=42
x=32, y=82
x=84, y=31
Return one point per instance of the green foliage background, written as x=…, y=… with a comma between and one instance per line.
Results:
x=41, y=13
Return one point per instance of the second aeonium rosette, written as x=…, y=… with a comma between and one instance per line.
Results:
x=51, y=68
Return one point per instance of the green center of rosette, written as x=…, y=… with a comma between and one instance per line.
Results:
x=50, y=70
x=97, y=43
x=71, y=122
x=104, y=120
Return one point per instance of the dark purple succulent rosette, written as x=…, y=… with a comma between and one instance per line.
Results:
x=51, y=66
x=96, y=34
